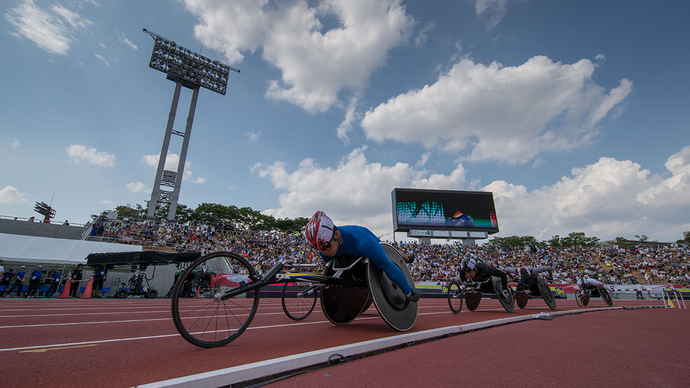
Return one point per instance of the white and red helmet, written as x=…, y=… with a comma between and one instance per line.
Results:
x=524, y=272
x=319, y=230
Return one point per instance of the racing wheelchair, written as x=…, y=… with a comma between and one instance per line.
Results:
x=227, y=290
x=472, y=290
x=532, y=287
x=587, y=288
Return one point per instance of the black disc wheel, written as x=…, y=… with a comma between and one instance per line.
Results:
x=472, y=299
x=202, y=312
x=121, y=294
x=298, y=300
x=505, y=297
x=582, y=299
x=605, y=296
x=521, y=299
x=370, y=300
x=546, y=293
x=456, y=293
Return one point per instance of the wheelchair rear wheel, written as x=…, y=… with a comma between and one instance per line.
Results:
x=606, y=296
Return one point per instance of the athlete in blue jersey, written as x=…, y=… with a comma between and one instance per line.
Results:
x=332, y=241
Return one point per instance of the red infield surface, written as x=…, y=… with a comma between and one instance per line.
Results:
x=125, y=343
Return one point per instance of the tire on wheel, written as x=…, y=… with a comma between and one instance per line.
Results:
x=121, y=294
x=546, y=293
x=151, y=294
x=606, y=296
x=507, y=300
x=219, y=319
x=521, y=299
x=298, y=300
x=455, y=294
x=472, y=299
x=583, y=299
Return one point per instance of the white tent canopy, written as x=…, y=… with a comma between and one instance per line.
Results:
x=29, y=249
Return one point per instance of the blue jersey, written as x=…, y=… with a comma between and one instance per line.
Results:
x=360, y=241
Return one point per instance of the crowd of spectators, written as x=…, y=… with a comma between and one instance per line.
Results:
x=433, y=262
x=651, y=265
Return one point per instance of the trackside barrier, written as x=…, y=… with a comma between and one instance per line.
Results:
x=668, y=299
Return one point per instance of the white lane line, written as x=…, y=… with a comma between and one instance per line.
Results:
x=84, y=323
x=120, y=321
x=177, y=334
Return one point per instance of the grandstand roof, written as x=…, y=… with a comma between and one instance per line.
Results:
x=19, y=248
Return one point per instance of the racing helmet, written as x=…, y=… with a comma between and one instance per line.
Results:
x=523, y=272
x=319, y=230
x=468, y=264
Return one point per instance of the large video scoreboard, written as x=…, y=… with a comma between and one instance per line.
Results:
x=415, y=209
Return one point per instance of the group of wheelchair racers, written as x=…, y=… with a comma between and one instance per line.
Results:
x=359, y=271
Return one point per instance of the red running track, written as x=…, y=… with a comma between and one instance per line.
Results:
x=125, y=343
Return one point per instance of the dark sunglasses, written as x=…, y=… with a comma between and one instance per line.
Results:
x=327, y=246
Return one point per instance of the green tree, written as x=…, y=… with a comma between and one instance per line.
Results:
x=128, y=211
x=515, y=241
x=578, y=239
x=622, y=242
x=556, y=242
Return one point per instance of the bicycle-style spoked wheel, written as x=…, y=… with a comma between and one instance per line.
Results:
x=456, y=293
x=200, y=312
x=606, y=296
x=578, y=298
x=298, y=300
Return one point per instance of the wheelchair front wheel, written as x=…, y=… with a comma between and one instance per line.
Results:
x=298, y=300
x=201, y=316
x=456, y=293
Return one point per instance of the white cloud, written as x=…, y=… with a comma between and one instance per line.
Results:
x=74, y=19
x=423, y=35
x=102, y=59
x=46, y=27
x=423, y=159
x=171, y=163
x=607, y=199
x=355, y=191
x=316, y=61
x=10, y=195
x=494, y=9
x=253, y=135
x=37, y=25
x=136, y=187
x=351, y=115
x=78, y=153
x=126, y=41
x=15, y=143
x=508, y=114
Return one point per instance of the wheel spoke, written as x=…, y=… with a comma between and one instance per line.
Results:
x=209, y=321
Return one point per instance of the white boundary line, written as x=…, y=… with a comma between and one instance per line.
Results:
x=240, y=373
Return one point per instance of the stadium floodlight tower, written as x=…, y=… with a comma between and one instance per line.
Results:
x=191, y=70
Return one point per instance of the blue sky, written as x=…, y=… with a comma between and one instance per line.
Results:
x=574, y=114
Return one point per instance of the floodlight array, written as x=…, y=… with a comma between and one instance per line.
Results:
x=183, y=64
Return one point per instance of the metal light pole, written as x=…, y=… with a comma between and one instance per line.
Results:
x=194, y=71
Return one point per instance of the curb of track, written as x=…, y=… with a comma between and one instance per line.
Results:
x=274, y=369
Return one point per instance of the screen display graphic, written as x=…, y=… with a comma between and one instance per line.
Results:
x=444, y=210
